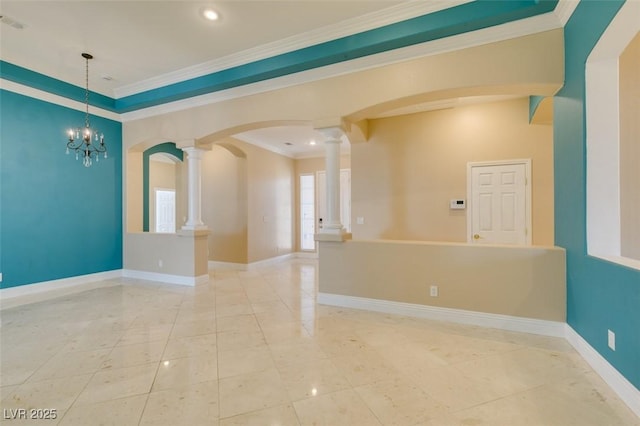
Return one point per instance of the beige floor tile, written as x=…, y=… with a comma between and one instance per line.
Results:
x=251, y=392
x=151, y=333
x=405, y=370
x=232, y=340
x=136, y=354
x=117, y=412
x=244, y=361
x=119, y=383
x=284, y=415
x=238, y=323
x=288, y=352
x=285, y=332
x=523, y=369
x=451, y=388
x=400, y=403
x=191, y=346
x=56, y=394
x=364, y=367
x=233, y=310
x=196, y=404
x=581, y=401
x=307, y=378
x=193, y=328
x=181, y=372
x=338, y=408
x=71, y=364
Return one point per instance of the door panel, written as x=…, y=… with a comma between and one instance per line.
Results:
x=499, y=204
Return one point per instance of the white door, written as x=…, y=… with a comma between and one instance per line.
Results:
x=345, y=198
x=165, y=210
x=499, y=204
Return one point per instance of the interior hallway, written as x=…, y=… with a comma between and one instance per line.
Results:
x=254, y=348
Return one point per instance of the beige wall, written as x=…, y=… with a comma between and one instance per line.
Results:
x=403, y=178
x=182, y=254
x=518, y=281
x=224, y=204
x=270, y=202
x=305, y=166
x=259, y=209
x=133, y=192
x=523, y=65
x=630, y=149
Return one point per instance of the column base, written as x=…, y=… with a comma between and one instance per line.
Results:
x=202, y=227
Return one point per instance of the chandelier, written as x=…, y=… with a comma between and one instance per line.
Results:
x=86, y=142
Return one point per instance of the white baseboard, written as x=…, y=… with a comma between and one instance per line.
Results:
x=36, y=292
x=306, y=255
x=214, y=264
x=165, y=278
x=502, y=322
x=616, y=381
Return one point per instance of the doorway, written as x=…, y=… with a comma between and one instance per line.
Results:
x=499, y=197
x=165, y=210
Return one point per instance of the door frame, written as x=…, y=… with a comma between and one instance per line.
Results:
x=527, y=190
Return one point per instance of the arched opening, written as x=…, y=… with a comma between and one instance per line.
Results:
x=162, y=175
x=612, y=92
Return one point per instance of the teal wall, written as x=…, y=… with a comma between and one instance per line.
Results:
x=59, y=219
x=600, y=295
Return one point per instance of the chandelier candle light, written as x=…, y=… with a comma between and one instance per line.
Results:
x=80, y=139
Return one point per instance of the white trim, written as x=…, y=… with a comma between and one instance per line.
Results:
x=165, y=278
x=564, y=10
x=604, y=233
x=626, y=391
x=520, y=28
x=306, y=254
x=528, y=191
x=214, y=264
x=36, y=292
x=55, y=99
x=482, y=319
x=380, y=18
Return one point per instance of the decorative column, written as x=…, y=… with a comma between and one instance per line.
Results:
x=332, y=228
x=194, y=195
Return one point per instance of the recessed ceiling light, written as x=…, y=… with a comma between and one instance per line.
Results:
x=210, y=14
x=312, y=142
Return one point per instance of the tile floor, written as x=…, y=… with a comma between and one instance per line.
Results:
x=253, y=348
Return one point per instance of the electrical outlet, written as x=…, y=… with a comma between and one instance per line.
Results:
x=611, y=339
x=433, y=291
x=360, y=220
x=160, y=263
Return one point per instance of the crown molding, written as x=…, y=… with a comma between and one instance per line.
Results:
x=41, y=95
x=510, y=30
x=564, y=10
x=380, y=18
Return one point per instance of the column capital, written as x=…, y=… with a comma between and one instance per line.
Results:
x=193, y=152
x=331, y=134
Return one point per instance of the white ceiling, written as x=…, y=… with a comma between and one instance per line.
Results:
x=133, y=41
x=142, y=44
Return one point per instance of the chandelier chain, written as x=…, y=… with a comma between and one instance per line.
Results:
x=86, y=92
